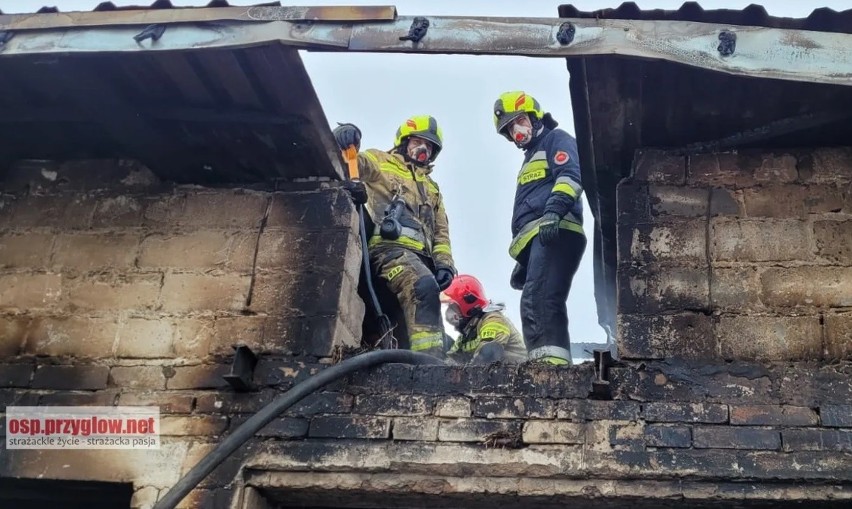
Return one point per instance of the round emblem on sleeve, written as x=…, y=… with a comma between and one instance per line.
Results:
x=561, y=157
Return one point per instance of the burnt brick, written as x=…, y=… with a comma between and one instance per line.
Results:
x=330, y=207
x=712, y=463
x=393, y=404
x=204, y=376
x=554, y=382
x=553, y=432
x=193, y=425
x=477, y=430
x=686, y=335
x=232, y=403
x=71, y=377
x=446, y=380
x=169, y=402
x=17, y=397
x=836, y=416
x=718, y=383
x=661, y=435
x=349, y=427
x=415, y=428
x=728, y=437
x=497, y=407
x=322, y=403
x=802, y=465
x=280, y=427
x=15, y=375
x=284, y=373
x=773, y=415
x=627, y=436
x=453, y=406
x=632, y=203
x=652, y=165
x=812, y=387
x=494, y=379
x=589, y=410
x=391, y=378
x=685, y=412
x=99, y=398
x=817, y=440
x=152, y=377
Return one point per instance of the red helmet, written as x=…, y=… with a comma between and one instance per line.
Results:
x=467, y=293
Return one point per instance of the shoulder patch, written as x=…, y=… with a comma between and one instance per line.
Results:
x=561, y=157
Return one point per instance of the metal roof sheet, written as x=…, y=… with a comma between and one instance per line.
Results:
x=821, y=19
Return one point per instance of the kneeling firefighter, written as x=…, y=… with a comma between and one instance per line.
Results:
x=409, y=247
x=547, y=223
x=485, y=334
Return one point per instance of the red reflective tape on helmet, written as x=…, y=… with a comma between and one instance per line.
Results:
x=411, y=123
x=520, y=101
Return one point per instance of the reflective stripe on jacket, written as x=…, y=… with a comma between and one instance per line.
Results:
x=424, y=220
x=490, y=326
x=549, y=181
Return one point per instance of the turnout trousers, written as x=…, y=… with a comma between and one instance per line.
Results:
x=408, y=276
x=549, y=271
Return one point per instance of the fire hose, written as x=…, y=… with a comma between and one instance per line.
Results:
x=268, y=413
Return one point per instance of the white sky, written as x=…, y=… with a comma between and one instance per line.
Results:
x=476, y=169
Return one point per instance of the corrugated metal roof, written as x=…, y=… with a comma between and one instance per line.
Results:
x=821, y=19
x=158, y=4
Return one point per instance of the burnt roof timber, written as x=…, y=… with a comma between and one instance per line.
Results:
x=141, y=17
x=797, y=55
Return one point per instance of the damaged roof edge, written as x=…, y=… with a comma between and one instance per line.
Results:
x=777, y=53
x=257, y=13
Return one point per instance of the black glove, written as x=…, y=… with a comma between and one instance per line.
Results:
x=519, y=277
x=346, y=135
x=357, y=191
x=548, y=229
x=444, y=276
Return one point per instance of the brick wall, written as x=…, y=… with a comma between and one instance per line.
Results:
x=737, y=256
x=693, y=432
x=116, y=287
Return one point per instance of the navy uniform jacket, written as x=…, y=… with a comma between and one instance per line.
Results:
x=549, y=181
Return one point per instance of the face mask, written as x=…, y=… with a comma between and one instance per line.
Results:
x=521, y=134
x=452, y=315
x=419, y=150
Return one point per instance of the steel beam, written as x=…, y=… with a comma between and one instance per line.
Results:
x=817, y=57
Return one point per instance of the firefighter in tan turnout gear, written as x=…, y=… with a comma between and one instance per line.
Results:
x=409, y=246
x=485, y=334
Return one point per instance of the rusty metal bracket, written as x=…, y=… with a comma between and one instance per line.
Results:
x=727, y=43
x=566, y=32
x=153, y=32
x=242, y=369
x=418, y=29
x=601, y=388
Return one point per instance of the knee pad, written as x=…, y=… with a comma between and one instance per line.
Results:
x=428, y=306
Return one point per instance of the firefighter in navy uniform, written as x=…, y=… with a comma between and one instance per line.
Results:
x=485, y=334
x=409, y=246
x=547, y=223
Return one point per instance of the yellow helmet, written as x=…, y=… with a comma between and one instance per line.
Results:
x=422, y=126
x=511, y=105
